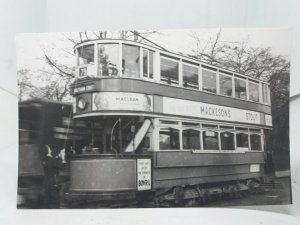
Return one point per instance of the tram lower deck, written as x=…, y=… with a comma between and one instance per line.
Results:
x=163, y=156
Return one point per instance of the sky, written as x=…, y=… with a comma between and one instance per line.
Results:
x=31, y=46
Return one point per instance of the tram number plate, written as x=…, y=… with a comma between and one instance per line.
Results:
x=143, y=174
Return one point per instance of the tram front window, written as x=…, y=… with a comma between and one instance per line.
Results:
x=131, y=61
x=108, y=59
x=85, y=55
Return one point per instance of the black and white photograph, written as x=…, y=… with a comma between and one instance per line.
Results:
x=154, y=118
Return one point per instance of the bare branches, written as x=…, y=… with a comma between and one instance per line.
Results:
x=239, y=57
x=57, y=67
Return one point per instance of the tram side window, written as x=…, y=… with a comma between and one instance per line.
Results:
x=190, y=76
x=253, y=92
x=242, y=141
x=169, y=71
x=85, y=55
x=191, y=139
x=148, y=64
x=209, y=83
x=225, y=85
x=108, y=59
x=255, y=142
x=168, y=139
x=210, y=140
x=240, y=88
x=227, y=141
x=131, y=61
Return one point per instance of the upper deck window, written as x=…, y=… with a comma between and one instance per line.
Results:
x=190, y=76
x=131, y=61
x=240, y=88
x=169, y=71
x=265, y=93
x=253, y=92
x=148, y=63
x=108, y=59
x=86, y=54
x=209, y=83
x=225, y=85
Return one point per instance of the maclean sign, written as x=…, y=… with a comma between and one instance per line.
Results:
x=209, y=111
x=122, y=101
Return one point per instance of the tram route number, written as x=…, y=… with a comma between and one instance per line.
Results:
x=143, y=174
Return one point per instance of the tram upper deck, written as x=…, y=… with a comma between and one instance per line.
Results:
x=160, y=78
x=128, y=59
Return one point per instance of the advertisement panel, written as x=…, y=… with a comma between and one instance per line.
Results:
x=122, y=101
x=143, y=174
x=208, y=111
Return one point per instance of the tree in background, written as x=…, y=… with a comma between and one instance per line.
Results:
x=259, y=63
x=53, y=82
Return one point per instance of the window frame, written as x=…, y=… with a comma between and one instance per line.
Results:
x=219, y=128
x=232, y=84
x=119, y=53
x=148, y=64
x=179, y=138
x=139, y=65
x=173, y=60
x=202, y=80
x=246, y=81
x=194, y=66
x=255, y=83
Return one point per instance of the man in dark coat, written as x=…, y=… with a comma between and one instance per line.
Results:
x=51, y=169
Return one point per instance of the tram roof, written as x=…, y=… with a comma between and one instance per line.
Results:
x=167, y=52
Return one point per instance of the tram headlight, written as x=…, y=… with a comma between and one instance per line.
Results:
x=81, y=103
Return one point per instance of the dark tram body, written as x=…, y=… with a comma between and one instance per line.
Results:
x=164, y=128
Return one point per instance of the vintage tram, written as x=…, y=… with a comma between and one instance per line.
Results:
x=171, y=129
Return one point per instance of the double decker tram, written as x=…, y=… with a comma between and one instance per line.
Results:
x=173, y=129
